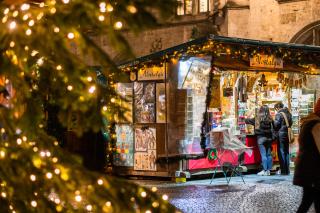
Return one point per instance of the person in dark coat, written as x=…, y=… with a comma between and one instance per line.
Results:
x=307, y=168
x=283, y=138
x=263, y=130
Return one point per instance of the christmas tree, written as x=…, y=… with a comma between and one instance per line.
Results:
x=43, y=50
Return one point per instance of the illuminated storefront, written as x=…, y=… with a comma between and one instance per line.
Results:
x=177, y=96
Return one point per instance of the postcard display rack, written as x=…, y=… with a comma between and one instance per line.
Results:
x=302, y=103
x=137, y=133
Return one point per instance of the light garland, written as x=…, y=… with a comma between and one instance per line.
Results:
x=43, y=165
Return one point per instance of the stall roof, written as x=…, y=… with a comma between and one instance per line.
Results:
x=309, y=54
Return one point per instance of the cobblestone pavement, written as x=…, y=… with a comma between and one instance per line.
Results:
x=259, y=194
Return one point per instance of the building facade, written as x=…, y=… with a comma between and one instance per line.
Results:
x=296, y=21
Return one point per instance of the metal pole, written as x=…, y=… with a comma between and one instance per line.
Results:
x=166, y=124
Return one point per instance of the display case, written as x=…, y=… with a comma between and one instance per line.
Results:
x=242, y=110
x=302, y=103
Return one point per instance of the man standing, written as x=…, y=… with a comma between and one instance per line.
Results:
x=282, y=120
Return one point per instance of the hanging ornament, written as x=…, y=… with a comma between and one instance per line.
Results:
x=263, y=82
x=291, y=82
x=133, y=76
x=280, y=78
x=304, y=79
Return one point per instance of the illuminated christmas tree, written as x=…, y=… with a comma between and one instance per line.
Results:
x=43, y=47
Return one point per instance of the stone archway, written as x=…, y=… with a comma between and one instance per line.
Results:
x=310, y=35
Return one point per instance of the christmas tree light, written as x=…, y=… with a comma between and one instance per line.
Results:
x=40, y=66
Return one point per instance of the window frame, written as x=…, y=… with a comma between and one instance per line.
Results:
x=208, y=7
x=184, y=8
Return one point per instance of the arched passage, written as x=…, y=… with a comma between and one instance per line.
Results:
x=310, y=35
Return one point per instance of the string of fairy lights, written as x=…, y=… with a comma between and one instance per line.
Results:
x=48, y=164
x=306, y=61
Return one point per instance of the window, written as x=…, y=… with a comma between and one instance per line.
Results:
x=204, y=6
x=184, y=7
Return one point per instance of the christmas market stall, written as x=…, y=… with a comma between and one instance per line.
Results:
x=177, y=98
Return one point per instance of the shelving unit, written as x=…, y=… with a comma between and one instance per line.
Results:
x=302, y=102
x=242, y=109
x=189, y=117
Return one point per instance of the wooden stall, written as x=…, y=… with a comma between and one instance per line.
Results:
x=178, y=95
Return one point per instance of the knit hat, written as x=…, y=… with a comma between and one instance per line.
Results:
x=317, y=108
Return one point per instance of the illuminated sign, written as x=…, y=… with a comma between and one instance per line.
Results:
x=266, y=61
x=151, y=73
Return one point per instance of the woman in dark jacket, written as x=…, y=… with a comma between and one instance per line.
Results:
x=283, y=139
x=263, y=130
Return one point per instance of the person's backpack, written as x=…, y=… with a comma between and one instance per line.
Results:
x=290, y=133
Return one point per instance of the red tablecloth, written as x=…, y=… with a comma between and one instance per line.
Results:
x=254, y=159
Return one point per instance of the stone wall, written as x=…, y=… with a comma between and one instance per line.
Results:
x=173, y=34
x=270, y=20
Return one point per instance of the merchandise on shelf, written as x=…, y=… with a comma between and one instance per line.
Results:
x=215, y=118
x=302, y=102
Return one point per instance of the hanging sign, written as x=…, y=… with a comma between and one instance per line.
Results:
x=266, y=61
x=151, y=73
